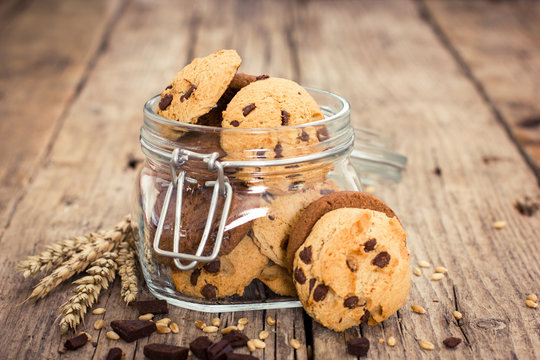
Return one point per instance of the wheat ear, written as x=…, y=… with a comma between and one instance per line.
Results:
x=101, y=243
x=127, y=271
x=100, y=275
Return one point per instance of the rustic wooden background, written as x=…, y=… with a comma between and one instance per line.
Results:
x=456, y=84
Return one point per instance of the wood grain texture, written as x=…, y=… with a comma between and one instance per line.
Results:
x=400, y=79
x=497, y=45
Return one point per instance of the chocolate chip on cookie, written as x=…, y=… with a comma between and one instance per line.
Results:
x=381, y=260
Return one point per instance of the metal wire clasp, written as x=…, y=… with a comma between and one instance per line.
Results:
x=221, y=187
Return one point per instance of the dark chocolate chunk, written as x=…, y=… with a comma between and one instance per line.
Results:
x=312, y=284
x=165, y=352
x=199, y=345
x=351, y=302
x=322, y=134
x=236, y=338
x=437, y=171
x=188, y=93
x=320, y=292
x=76, y=342
x=370, y=245
x=165, y=101
x=381, y=260
x=304, y=136
x=131, y=330
x=247, y=109
x=152, y=307
x=262, y=77
x=195, y=276
x=358, y=346
x=235, y=123
x=364, y=319
x=217, y=351
x=271, y=217
x=167, y=88
x=114, y=354
x=451, y=342
x=213, y=267
x=352, y=263
x=234, y=356
x=209, y=291
x=285, y=116
x=305, y=255
x=299, y=276
x=278, y=149
x=260, y=154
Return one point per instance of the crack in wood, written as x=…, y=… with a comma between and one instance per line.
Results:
x=426, y=15
x=460, y=322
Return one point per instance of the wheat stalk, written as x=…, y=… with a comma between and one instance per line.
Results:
x=101, y=243
x=54, y=255
x=127, y=271
x=100, y=275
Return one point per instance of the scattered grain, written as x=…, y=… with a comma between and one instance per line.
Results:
x=263, y=335
x=423, y=264
x=146, y=317
x=216, y=322
x=426, y=345
x=391, y=341
x=457, y=315
x=242, y=321
x=240, y=327
x=174, y=328
x=98, y=311
x=200, y=324
x=251, y=346
x=163, y=329
x=499, y=224
x=369, y=190
x=531, y=304
x=164, y=321
x=99, y=324
x=532, y=297
x=441, y=269
x=418, y=309
x=259, y=344
x=417, y=271
x=381, y=340
x=270, y=321
x=436, y=276
x=111, y=335
x=295, y=344
x=228, y=329
x=210, y=329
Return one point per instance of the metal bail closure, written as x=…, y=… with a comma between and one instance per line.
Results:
x=221, y=187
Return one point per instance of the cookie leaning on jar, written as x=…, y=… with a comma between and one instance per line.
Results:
x=350, y=263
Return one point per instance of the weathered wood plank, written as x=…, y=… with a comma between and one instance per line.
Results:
x=42, y=65
x=498, y=45
x=401, y=80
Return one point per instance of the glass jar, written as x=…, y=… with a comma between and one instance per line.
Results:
x=214, y=206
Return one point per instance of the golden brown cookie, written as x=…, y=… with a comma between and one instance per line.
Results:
x=353, y=267
x=226, y=276
x=278, y=280
x=329, y=202
x=271, y=232
x=199, y=86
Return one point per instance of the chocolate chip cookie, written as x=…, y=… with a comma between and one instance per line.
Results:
x=352, y=268
x=277, y=279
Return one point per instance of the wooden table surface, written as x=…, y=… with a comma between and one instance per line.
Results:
x=455, y=84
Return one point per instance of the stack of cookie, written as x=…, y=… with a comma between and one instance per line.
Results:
x=342, y=253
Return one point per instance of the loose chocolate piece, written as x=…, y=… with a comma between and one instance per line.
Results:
x=114, y=354
x=304, y=136
x=131, y=330
x=322, y=134
x=351, y=302
x=260, y=154
x=236, y=338
x=320, y=292
x=219, y=350
x=305, y=255
x=278, y=149
x=209, y=291
x=364, y=319
x=299, y=276
x=370, y=245
x=234, y=356
x=312, y=284
x=165, y=101
x=247, y=109
x=152, y=307
x=188, y=93
x=285, y=116
x=358, y=346
x=194, y=276
x=213, y=267
x=235, y=123
x=451, y=342
x=165, y=352
x=381, y=260
x=199, y=345
x=262, y=77
x=76, y=342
